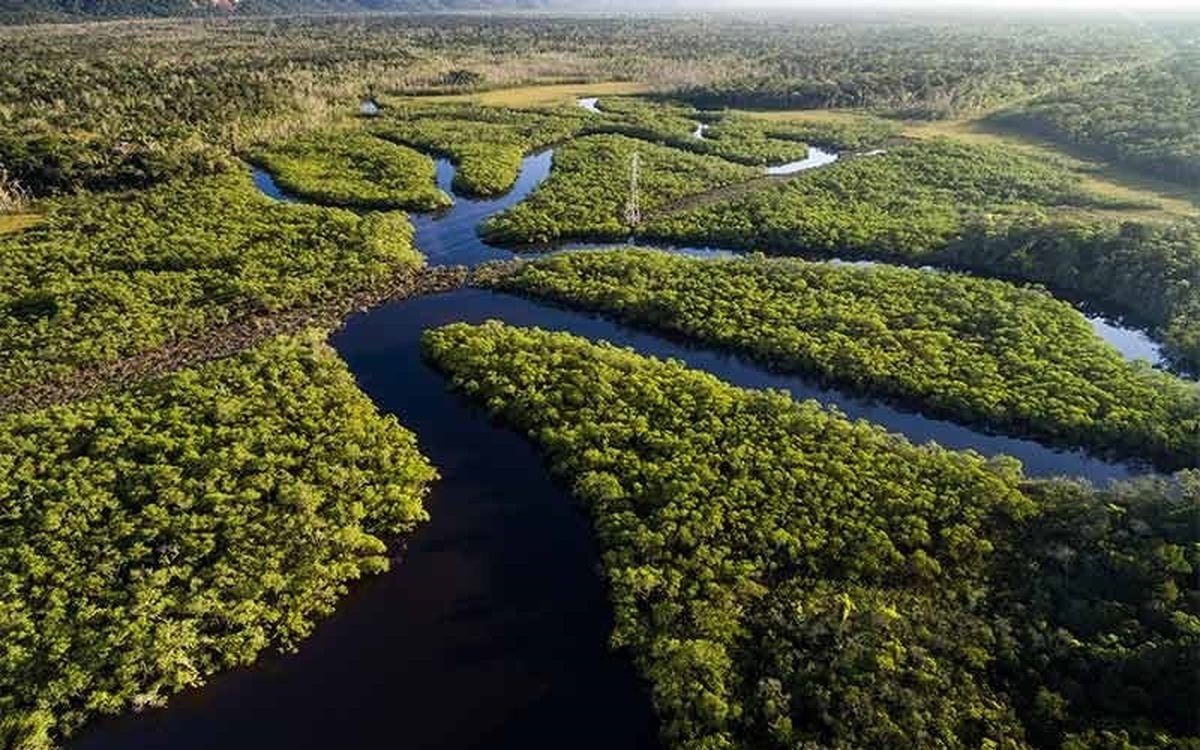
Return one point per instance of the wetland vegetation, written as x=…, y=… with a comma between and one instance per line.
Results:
x=781, y=576
x=976, y=350
x=786, y=578
x=154, y=537
x=588, y=191
x=106, y=276
x=353, y=170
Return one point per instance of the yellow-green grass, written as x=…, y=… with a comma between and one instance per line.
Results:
x=543, y=95
x=811, y=115
x=17, y=222
x=1102, y=178
x=1168, y=200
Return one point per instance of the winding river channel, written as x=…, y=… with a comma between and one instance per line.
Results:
x=491, y=630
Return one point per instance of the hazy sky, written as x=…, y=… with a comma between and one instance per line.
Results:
x=1132, y=6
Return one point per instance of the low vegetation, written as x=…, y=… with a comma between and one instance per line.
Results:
x=355, y=170
x=786, y=578
x=732, y=137
x=979, y=351
x=587, y=192
x=106, y=276
x=153, y=538
x=840, y=131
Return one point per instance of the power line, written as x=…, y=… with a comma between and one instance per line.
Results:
x=633, y=208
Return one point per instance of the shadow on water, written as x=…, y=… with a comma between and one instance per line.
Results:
x=477, y=305
x=492, y=632
x=451, y=236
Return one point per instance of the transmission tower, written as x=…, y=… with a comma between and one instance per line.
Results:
x=633, y=209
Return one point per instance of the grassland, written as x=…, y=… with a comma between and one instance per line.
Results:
x=544, y=94
x=17, y=222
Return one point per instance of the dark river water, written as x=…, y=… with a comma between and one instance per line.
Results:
x=491, y=630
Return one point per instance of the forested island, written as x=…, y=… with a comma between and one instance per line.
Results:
x=246, y=361
x=154, y=537
x=978, y=350
x=786, y=578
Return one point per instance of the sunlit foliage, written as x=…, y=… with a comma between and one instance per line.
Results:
x=903, y=204
x=106, y=276
x=153, y=538
x=485, y=143
x=356, y=170
x=589, y=187
x=785, y=578
x=979, y=351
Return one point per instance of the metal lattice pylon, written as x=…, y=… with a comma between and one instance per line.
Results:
x=633, y=209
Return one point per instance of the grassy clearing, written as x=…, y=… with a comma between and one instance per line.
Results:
x=17, y=222
x=842, y=116
x=543, y=95
x=1163, y=200
x=1102, y=178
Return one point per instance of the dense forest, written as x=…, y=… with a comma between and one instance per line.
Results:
x=1148, y=271
x=152, y=538
x=110, y=275
x=586, y=194
x=973, y=207
x=484, y=143
x=904, y=204
x=1147, y=117
x=120, y=104
x=786, y=578
x=975, y=350
x=782, y=577
x=924, y=72
x=355, y=170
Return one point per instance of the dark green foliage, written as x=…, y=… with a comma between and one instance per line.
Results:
x=341, y=168
x=587, y=192
x=1147, y=117
x=979, y=351
x=1149, y=271
x=153, y=538
x=485, y=143
x=119, y=107
x=744, y=534
x=787, y=579
x=1101, y=613
x=903, y=204
x=109, y=276
x=49, y=162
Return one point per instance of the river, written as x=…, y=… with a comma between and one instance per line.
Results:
x=492, y=630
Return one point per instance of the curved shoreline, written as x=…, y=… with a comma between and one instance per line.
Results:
x=498, y=605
